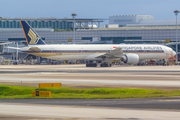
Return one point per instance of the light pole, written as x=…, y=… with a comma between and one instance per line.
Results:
x=176, y=13
x=17, y=53
x=73, y=15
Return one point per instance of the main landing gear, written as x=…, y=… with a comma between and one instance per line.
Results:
x=105, y=65
x=95, y=65
x=91, y=65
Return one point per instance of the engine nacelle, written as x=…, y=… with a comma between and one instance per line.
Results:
x=130, y=58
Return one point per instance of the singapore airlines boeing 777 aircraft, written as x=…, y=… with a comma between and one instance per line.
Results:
x=102, y=53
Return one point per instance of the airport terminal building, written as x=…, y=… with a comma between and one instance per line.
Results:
x=131, y=29
x=64, y=23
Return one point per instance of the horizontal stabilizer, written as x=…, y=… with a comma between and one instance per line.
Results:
x=5, y=43
x=12, y=47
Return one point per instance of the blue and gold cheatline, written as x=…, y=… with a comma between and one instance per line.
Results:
x=31, y=36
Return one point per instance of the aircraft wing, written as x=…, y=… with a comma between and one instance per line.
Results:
x=116, y=53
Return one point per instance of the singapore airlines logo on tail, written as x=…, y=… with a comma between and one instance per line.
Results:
x=34, y=38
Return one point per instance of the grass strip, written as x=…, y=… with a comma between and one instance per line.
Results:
x=12, y=92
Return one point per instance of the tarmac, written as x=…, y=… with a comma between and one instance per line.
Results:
x=159, y=77
x=150, y=77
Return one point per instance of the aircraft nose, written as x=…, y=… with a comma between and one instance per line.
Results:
x=174, y=53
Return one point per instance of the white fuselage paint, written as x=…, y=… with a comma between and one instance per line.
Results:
x=90, y=52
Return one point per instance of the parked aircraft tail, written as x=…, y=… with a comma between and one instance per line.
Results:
x=31, y=36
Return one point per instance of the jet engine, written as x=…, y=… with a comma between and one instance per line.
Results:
x=130, y=58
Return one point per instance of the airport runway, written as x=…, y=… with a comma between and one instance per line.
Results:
x=159, y=77
x=82, y=109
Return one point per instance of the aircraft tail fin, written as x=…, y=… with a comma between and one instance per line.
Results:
x=32, y=38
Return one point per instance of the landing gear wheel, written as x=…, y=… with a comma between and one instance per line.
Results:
x=91, y=65
x=105, y=65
